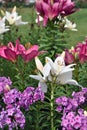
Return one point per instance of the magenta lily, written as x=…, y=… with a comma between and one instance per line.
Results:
x=50, y=9
x=30, y=54
x=10, y=52
x=77, y=54
x=81, y=48
x=69, y=57
x=47, y=9
x=67, y=7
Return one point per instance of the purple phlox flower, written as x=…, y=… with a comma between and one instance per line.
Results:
x=27, y=97
x=15, y=118
x=62, y=100
x=38, y=94
x=12, y=97
x=81, y=111
x=77, y=120
x=12, y=117
x=74, y=113
x=80, y=96
x=74, y=103
x=31, y=95
x=2, y=118
x=59, y=108
x=20, y=119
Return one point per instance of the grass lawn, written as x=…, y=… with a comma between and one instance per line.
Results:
x=80, y=18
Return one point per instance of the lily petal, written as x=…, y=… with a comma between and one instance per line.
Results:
x=37, y=77
x=46, y=70
x=62, y=78
x=43, y=86
x=71, y=81
x=39, y=64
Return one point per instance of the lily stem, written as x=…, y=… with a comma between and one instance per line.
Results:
x=52, y=107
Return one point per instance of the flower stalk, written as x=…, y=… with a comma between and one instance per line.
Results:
x=52, y=107
x=52, y=103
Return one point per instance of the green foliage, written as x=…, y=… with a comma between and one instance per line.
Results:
x=52, y=39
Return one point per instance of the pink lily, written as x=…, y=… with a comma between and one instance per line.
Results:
x=67, y=7
x=50, y=9
x=11, y=52
x=47, y=9
x=69, y=57
x=81, y=48
x=31, y=53
x=77, y=54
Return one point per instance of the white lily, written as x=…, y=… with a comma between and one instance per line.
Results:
x=57, y=65
x=69, y=25
x=3, y=28
x=44, y=74
x=62, y=73
x=19, y=21
x=54, y=70
x=13, y=17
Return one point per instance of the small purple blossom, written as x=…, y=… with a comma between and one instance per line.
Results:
x=31, y=95
x=12, y=97
x=38, y=94
x=13, y=117
x=74, y=111
x=62, y=100
x=27, y=97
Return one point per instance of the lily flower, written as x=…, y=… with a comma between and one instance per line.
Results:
x=13, y=17
x=31, y=53
x=67, y=7
x=11, y=52
x=54, y=70
x=47, y=10
x=43, y=75
x=19, y=21
x=62, y=73
x=69, y=25
x=50, y=9
x=81, y=49
x=69, y=57
x=3, y=28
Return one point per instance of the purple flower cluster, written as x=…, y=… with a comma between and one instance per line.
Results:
x=74, y=110
x=31, y=95
x=13, y=117
x=5, y=84
x=13, y=100
x=12, y=97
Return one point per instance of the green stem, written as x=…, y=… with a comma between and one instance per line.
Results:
x=52, y=107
